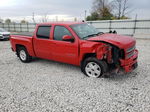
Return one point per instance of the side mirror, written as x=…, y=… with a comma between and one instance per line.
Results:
x=68, y=38
x=115, y=32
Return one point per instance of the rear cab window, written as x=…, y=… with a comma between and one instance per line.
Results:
x=43, y=32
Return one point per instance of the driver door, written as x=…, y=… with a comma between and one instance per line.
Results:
x=64, y=51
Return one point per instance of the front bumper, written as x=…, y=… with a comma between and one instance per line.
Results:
x=4, y=37
x=130, y=64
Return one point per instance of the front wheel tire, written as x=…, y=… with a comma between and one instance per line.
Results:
x=92, y=67
x=23, y=55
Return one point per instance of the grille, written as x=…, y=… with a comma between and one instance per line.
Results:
x=130, y=54
x=6, y=34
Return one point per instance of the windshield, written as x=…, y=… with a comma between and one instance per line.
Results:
x=2, y=30
x=85, y=31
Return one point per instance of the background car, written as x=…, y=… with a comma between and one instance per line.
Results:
x=4, y=35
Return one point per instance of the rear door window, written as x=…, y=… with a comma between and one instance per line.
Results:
x=43, y=32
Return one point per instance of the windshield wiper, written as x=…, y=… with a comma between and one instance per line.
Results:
x=93, y=35
x=89, y=36
x=100, y=33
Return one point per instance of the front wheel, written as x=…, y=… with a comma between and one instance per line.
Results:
x=92, y=67
x=23, y=55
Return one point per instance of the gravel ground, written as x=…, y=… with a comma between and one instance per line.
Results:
x=43, y=86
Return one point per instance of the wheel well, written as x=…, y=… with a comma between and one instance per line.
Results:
x=87, y=56
x=18, y=46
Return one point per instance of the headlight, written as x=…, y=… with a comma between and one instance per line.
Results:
x=130, y=49
x=130, y=54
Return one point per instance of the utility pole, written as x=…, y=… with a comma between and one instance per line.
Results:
x=33, y=17
x=103, y=7
x=85, y=14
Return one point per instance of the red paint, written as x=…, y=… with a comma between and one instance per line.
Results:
x=74, y=52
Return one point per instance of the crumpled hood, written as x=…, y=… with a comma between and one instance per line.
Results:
x=114, y=39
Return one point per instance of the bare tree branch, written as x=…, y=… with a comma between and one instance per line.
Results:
x=100, y=7
x=121, y=8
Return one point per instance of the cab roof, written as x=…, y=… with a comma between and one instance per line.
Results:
x=61, y=23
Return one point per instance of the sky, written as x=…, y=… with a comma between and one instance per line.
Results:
x=62, y=10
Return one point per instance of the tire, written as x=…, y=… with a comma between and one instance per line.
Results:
x=92, y=67
x=24, y=55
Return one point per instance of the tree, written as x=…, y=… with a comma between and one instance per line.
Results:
x=13, y=22
x=101, y=10
x=24, y=21
x=121, y=8
x=1, y=20
x=93, y=16
x=107, y=15
x=109, y=9
x=8, y=21
x=75, y=19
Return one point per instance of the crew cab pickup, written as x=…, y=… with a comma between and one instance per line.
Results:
x=80, y=44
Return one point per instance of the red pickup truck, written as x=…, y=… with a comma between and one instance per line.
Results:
x=80, y=44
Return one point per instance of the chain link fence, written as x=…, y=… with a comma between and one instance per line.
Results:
x=124, y=27
x=18, y=27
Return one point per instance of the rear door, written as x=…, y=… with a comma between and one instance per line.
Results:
x=64, y=51
x=42, y=44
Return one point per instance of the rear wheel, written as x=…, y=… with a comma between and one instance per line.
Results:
x=23, y=55
x=92, y=67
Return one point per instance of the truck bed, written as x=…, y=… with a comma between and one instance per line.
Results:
x=23, y=39
x=30, y=34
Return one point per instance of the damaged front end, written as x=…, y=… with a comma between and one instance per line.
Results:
x=118, y=58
